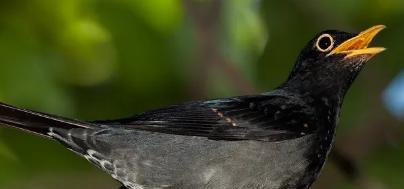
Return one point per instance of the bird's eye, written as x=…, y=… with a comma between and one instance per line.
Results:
x=325, y=43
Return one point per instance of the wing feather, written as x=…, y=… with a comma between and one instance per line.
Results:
x=261, y=117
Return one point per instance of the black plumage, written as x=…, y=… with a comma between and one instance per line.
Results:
x=278, y=139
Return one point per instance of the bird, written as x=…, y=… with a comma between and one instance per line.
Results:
x=278, y=139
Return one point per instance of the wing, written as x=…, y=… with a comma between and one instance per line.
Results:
x=261, y=117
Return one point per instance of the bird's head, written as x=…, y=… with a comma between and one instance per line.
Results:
x=332, y=60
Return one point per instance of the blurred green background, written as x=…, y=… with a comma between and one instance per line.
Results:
x=105, y=59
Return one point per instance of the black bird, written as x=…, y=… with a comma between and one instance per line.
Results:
x=277, y=140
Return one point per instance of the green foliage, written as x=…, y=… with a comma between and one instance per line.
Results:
x=5, y=152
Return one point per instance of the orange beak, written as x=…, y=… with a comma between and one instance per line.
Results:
x=358, y=45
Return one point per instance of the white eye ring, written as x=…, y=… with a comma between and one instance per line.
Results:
x=330, y=46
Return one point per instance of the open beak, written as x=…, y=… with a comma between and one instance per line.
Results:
x=358, y=45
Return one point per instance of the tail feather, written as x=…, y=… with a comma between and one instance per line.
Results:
x=37, y=122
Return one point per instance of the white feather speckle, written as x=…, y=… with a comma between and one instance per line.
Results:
x=208, y=174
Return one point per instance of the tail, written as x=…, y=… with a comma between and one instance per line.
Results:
x=36, y=122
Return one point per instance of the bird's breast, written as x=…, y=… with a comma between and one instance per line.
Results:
x=158, y=160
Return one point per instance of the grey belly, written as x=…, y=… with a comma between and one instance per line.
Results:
x=155, y=160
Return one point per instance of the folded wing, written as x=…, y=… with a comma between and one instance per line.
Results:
x=263, y=117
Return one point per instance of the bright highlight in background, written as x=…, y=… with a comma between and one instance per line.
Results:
x=394, y=96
